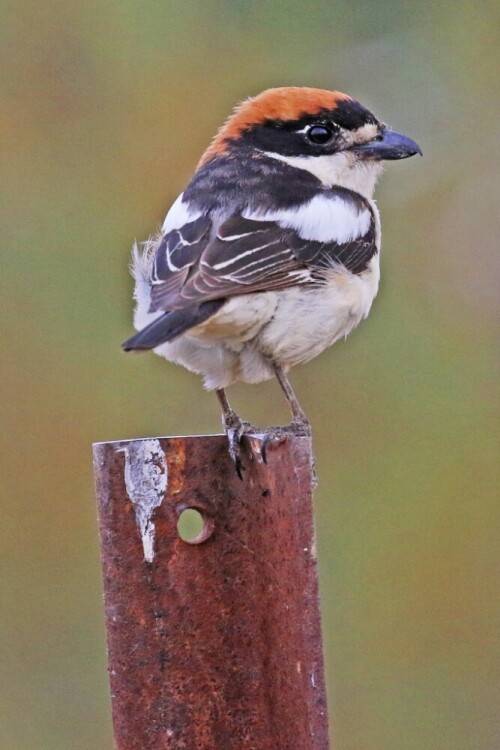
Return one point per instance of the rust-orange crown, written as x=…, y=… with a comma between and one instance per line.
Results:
x=285, y=104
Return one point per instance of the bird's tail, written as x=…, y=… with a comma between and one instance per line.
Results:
x=171, y=324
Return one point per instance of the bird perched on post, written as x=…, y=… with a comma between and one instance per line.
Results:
x=271, y=254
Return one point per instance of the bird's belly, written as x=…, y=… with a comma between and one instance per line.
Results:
x=250, y=332
x=239, y=320
x=222, y=349
x=308, y=321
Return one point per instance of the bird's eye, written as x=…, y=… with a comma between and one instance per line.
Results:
x=319, y=134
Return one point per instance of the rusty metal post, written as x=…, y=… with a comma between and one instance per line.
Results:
x=213, y=644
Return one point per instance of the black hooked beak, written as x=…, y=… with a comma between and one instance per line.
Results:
x=388, y=145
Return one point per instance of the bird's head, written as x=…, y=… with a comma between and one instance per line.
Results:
x=324, y=132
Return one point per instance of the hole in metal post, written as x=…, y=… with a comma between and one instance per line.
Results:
x=193, y=527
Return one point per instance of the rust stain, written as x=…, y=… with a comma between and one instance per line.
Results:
x=215, y=645
x=176, y=461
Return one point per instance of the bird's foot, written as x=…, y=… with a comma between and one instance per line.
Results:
x=262, y=440
x=235, y=428
x=259, y=440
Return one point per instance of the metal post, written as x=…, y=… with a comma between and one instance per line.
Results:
x=213, y=644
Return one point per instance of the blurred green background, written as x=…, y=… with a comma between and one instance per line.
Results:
x=107, y=107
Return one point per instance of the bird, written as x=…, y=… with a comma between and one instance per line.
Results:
x=271, y=253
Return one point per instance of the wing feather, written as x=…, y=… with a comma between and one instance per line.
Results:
x=199, y=262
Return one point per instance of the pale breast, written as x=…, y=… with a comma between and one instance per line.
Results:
x=239, y=320
x=308, y=321
x=289, y=327
x=223, y=349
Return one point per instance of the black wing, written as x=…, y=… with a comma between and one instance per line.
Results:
x=191, y=265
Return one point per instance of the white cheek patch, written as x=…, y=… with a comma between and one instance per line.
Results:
x=322, y=219
x=343, y=169
x=179, y=214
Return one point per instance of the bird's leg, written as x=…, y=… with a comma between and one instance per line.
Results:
x=299, y=425
x=235, y=428
x=299, y=420
x=260, y=440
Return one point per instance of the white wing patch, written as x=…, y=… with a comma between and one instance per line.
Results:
x=322, y=219
x=179, y=214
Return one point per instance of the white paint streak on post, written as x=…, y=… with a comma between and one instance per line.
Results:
x=146, y=480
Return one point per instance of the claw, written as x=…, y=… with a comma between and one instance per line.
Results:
x=270, y=437
x=239, y=467
x=234, y=439
x=259, y=440
x=263, y=450
x=235, y=428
